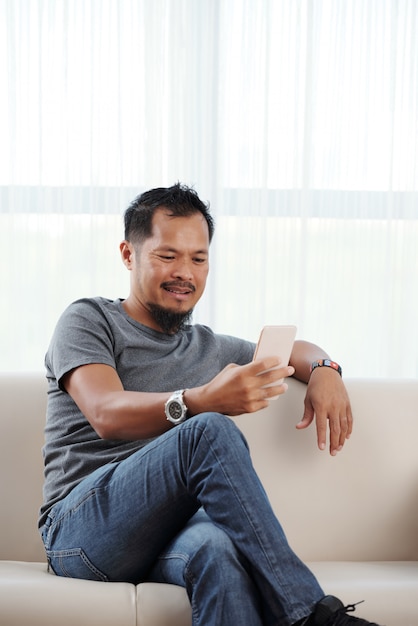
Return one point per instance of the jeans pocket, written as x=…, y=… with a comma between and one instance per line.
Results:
x=74, y=563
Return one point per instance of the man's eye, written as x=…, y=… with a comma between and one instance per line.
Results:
x=166, y=257
x=199, y=260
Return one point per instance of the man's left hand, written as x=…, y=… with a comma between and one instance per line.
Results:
x=327, y=400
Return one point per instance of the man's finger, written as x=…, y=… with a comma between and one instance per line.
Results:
x=321, y=430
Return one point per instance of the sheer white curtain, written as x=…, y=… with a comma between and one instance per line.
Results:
x=297, y=119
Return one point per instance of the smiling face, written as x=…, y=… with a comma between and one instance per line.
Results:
x=168, y=270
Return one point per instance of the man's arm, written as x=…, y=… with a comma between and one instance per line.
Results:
x=303, y=355
x=118, y=414
x=326, y=397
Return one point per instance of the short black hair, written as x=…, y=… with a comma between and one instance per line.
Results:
x=180, y=201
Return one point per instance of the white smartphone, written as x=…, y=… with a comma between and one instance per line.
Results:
x=276, y=341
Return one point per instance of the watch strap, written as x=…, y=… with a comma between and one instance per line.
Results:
x=327, y=363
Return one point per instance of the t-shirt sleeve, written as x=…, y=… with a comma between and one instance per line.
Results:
x=82, y=337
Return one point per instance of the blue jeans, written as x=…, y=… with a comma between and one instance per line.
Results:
x=187, y=509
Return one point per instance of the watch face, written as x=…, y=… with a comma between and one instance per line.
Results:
x=175, y=409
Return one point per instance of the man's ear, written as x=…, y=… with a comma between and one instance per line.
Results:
x=126, y=252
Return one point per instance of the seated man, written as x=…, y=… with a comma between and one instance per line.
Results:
x=146, y=476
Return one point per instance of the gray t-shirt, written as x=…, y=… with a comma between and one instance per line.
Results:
x=97, y=330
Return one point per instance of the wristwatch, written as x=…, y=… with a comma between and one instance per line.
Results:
x=175, y=409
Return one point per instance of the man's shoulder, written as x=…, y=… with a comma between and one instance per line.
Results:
x=92, y=306
x=96, y=302
x=235, y=348
x=207, y=331
x=88, y=313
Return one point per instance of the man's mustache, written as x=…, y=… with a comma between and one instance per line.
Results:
x=179, y=285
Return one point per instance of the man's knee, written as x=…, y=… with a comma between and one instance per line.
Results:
x=216, y=425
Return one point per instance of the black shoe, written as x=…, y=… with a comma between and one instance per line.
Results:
x=330, y=611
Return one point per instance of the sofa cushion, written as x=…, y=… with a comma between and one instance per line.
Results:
x=30, y=596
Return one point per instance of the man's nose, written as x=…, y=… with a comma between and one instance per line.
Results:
x=183, y=269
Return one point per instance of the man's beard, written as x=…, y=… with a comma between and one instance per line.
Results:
x=170, y=321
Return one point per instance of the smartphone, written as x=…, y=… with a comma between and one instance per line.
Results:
x=276, y=341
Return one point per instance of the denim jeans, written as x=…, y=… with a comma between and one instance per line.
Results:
x=187, y=509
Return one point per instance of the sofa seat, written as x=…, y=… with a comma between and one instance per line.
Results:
x=389, y=586
x=31, y=596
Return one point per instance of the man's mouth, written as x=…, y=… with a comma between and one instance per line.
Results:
x=179, y=288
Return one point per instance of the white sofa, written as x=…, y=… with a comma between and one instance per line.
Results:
x=353, y=518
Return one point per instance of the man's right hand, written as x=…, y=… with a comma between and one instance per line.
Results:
x=240, y=389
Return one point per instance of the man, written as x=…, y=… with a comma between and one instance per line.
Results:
x=145, y=476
